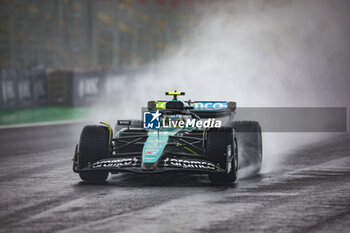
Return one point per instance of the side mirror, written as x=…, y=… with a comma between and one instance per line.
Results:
x=151, y=105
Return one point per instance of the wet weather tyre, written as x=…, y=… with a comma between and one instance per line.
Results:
x=249, y=140
x=217, y=146
x=93, y=146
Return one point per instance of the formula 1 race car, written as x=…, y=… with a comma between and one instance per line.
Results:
x=174, y=136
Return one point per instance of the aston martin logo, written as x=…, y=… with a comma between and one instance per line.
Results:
x=151, y=120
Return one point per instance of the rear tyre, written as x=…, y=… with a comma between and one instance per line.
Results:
x=249, y=140
x=93, y=146
x=220, y=142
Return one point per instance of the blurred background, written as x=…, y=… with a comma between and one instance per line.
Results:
x=48, y=47
x=87, y=34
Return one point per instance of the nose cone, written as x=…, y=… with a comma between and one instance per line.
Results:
x=154, y=147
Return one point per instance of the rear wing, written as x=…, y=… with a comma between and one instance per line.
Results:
x=206, y=109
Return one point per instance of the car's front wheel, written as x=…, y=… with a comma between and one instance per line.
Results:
x=93, y=146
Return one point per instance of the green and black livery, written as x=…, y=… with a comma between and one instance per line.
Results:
x=130, y=147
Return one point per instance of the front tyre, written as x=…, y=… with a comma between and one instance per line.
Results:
x=93, y=146
x=220, y=143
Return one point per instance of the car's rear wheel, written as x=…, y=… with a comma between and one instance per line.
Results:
x=93, y=146
x=249, y=140
x=219, y=143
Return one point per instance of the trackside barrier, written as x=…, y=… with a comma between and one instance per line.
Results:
x=23, y=88
x=9, y=89
x=82, y=88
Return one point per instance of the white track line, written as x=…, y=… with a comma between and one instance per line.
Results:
x=49, y=123
x=42, y=124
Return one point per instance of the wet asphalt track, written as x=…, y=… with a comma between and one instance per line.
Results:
x=310, y=192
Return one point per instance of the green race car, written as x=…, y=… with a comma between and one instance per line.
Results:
x=174, y=136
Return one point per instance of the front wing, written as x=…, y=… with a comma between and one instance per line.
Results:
x=133, y=165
